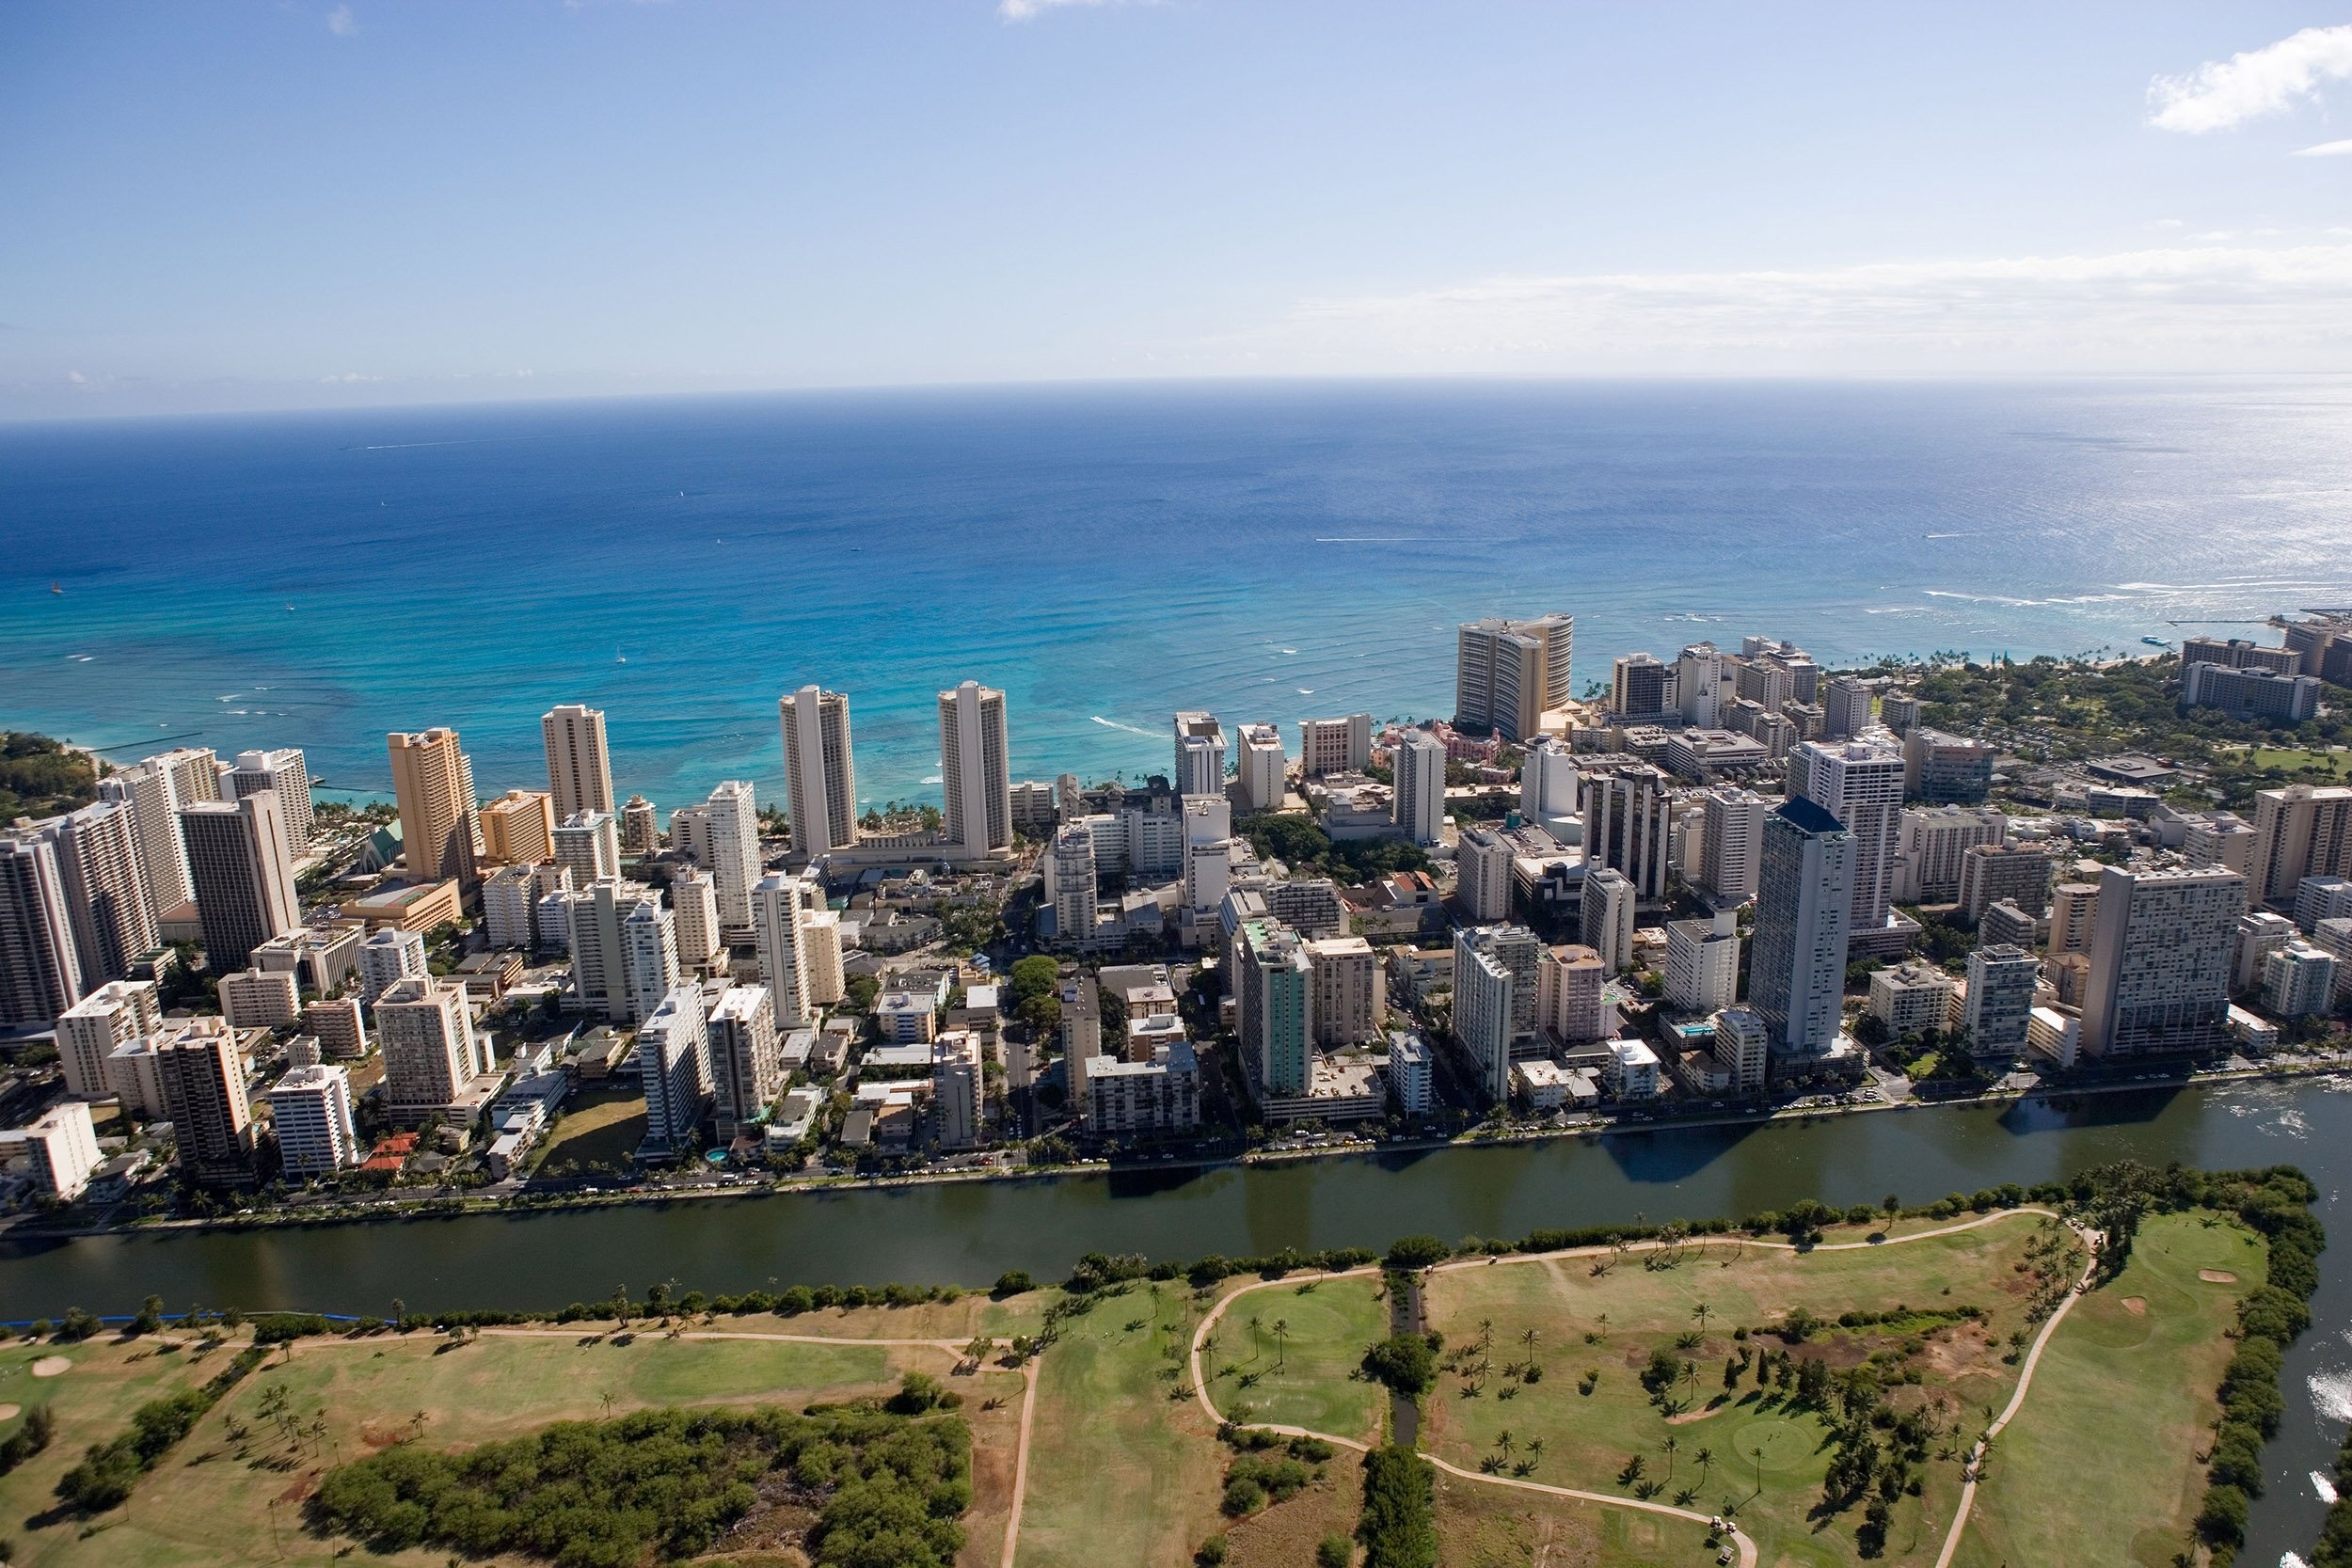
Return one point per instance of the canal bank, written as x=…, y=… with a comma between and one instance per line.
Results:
x=969, y=1232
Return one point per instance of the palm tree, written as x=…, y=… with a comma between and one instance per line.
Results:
x=1673, y=1445
x=1527, y=1338
x=1504, y=1443
x=1254, y=1322
x=1758, y=1454
x=1281, y=1347
x=1534, y=1449
x=1486, y=1333
x=1699, y=1312
x=1604, y=1325
x=1706, y=1462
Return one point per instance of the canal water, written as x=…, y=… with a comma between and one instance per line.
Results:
x=970, y=1233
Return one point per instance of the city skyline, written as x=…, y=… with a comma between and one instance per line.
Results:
x=1512, y=191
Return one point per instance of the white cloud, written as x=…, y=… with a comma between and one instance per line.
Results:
x=2222, y=93
x=1026, y=10
x=341, y=23
x=2325, y=150
x=2191, y=308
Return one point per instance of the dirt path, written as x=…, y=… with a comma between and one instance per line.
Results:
x=1035, y=1375
x=2016, y=1401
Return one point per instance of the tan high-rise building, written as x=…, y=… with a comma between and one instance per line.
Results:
x=974, y=770
x=580, y=769
x=2301, y=831
x=1350, y=1001
x=1509, y=673
x=1335, y=744
x=106, y=891
x=518, y=827
x=2073, y=908
x=426, y=1028
x=433, y=782
x=2160, y=953
x=820, y=780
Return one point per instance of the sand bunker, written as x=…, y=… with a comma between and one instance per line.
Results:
x=52, y=1366
x=2136, y=1306
x=2216, y=1276
x=10, y=1412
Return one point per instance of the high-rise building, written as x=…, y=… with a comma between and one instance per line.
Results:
x=674, y=1064
x=1804, y=910
x=733, y=863
x=1703, y=685
x=2073, y=908
x=579, y=768
x=976, y=767
x=518, y=827
x=242, y=870
x=1200, y=755
x=2318, y=898
x=1605, y=916
x=90, y=1030
x=261, y=999
x=2301, y=831
x=310, y=1112
x=106, y=893
x=1070, y=882
x=1933, y=845
x=821, y=931
x=745, y=1069
x=1860, y=783
x=1571, y=995
x=441, y=834
x=2001, y=984
x=431, y=1054
x=337, y=1027
x=1509, y=673
x=387, y=957
x=41, y=971
x=1703, y=964
x=696, y=904
x=1261, y=768
x=1993, y=871
x=1334, y=745
x=640, y=828
x=1350, y=994
x=1417, y=805
x=1946, y=770
x=1629, y=825
x=1483, y=888
x=1496, y=982
x=2260, y=695
x=955, y=1080
x=510, y=905
x=151, y=791
x=649, y=954
x=2160, y=950
x=285, y=772
x=1641, y=686
x=1846, y=705
x=1274, y=987
x=195, y=772
x=1549, y=786
x=820, y=780
x=1080, y=1032
x=781, y=906
x=200, y=1076
x=1742, y=1046
x=2298, y=980
x=62, y=1147
x=1731, y=842
x=587, y=844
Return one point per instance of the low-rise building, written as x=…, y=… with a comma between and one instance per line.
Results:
x=61, y=1147
x=1157, y=1097
x=1632, y=1069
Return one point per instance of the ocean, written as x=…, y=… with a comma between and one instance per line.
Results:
x=1107, y=555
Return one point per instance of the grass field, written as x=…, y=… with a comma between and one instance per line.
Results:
x=1300, y=1376
x=2295, y=760
x=1123, y=1468
x=215, y=1501
x=2093, y=1393
x=600, y=1127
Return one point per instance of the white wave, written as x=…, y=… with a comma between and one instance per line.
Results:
x=1981, y=599
x=1306, y=690
x=2291, y=1560
x=1115, y=724
x=2332, y=1393
x=1375, y=539
x=934, y=779
x=1290, y=650
x=1944, y=536
x=2324, y=1486
x=81, y=658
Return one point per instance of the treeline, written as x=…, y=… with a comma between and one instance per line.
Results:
x=2335, y=1536
x=886, y=1488
x=108, y=1471
x=1399, y=1525
x=40, y=777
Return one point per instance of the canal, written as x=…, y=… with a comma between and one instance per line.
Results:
x=970, y=1233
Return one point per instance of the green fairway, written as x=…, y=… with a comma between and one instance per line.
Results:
x=1123, y=1468
x=1287, y=1353
x=2129, y=1376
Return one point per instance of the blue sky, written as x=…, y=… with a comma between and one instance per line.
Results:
x=211, y=205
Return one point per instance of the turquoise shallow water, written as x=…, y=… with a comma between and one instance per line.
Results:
x=1107, y=555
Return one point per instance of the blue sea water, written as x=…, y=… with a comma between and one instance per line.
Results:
x=1107, y=555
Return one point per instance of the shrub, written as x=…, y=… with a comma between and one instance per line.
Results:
x=1402, y=1362
x=1416, y=1252
x=1333, y=1551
